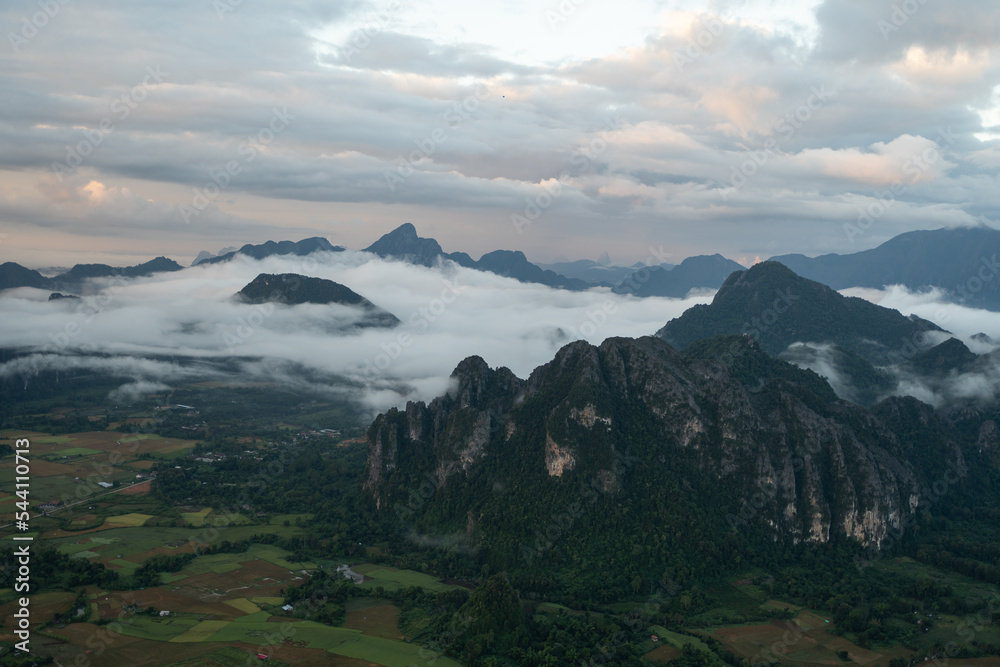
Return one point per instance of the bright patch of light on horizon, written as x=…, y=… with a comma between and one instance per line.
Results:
x=549, y=32
x=991, y=119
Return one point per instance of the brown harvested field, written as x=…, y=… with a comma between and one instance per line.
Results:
x=52, y=534
x=804, y=641
x=310, y=657
x=750, y=640
x=170, y=600
x=138, y=489
x=144, y=464
x=976, y=662
x=663, y=654
x=236, y=584
x=855, y=653
x=257, y=570
x=380, y=620
x=143, y=556
x=121, y=650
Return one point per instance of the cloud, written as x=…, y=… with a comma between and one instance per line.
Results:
x=448, y=314
x=700, y=89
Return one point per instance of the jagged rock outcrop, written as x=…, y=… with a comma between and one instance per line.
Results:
x=660, y=438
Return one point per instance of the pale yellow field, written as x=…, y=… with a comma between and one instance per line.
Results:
x=243, y=604
x=200, y=632
x=133, y=519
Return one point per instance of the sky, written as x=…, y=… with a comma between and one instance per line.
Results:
x=560, y=128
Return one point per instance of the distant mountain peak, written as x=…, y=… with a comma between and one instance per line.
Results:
x=404, y=244
x=270, y=248
x=777, y=307
x=294, y=289
x=699, y=271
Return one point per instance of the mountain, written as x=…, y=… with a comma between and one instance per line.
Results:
x=949, y=356
x=596, y=273
x=14, y=275
x=700, y=272
x=774, y=306
x=961, y=261
x=81, y=272
x=513, y=264
x=404, y=244
x=269, y=248
x=293, y=289
x=202, y=256
x=609, y=462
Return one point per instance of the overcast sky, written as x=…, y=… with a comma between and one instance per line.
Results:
x=750, y=128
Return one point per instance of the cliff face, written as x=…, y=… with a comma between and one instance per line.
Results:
x=658, y=435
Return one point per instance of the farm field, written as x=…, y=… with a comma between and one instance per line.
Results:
x=392, y=579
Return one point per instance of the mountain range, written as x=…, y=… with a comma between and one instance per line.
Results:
x=404, y=244
x=699, y=272
x=596, y=273
x=960, y=261
x=15, y=275
x=270, y=248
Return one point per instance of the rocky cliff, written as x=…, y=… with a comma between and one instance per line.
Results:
x=674, y=453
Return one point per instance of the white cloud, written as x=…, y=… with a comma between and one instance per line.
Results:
x=448, y=314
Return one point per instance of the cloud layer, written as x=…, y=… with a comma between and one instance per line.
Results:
x=448, y=314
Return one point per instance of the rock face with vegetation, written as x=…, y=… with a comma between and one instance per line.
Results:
x=613, y=461
x=292, y=289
